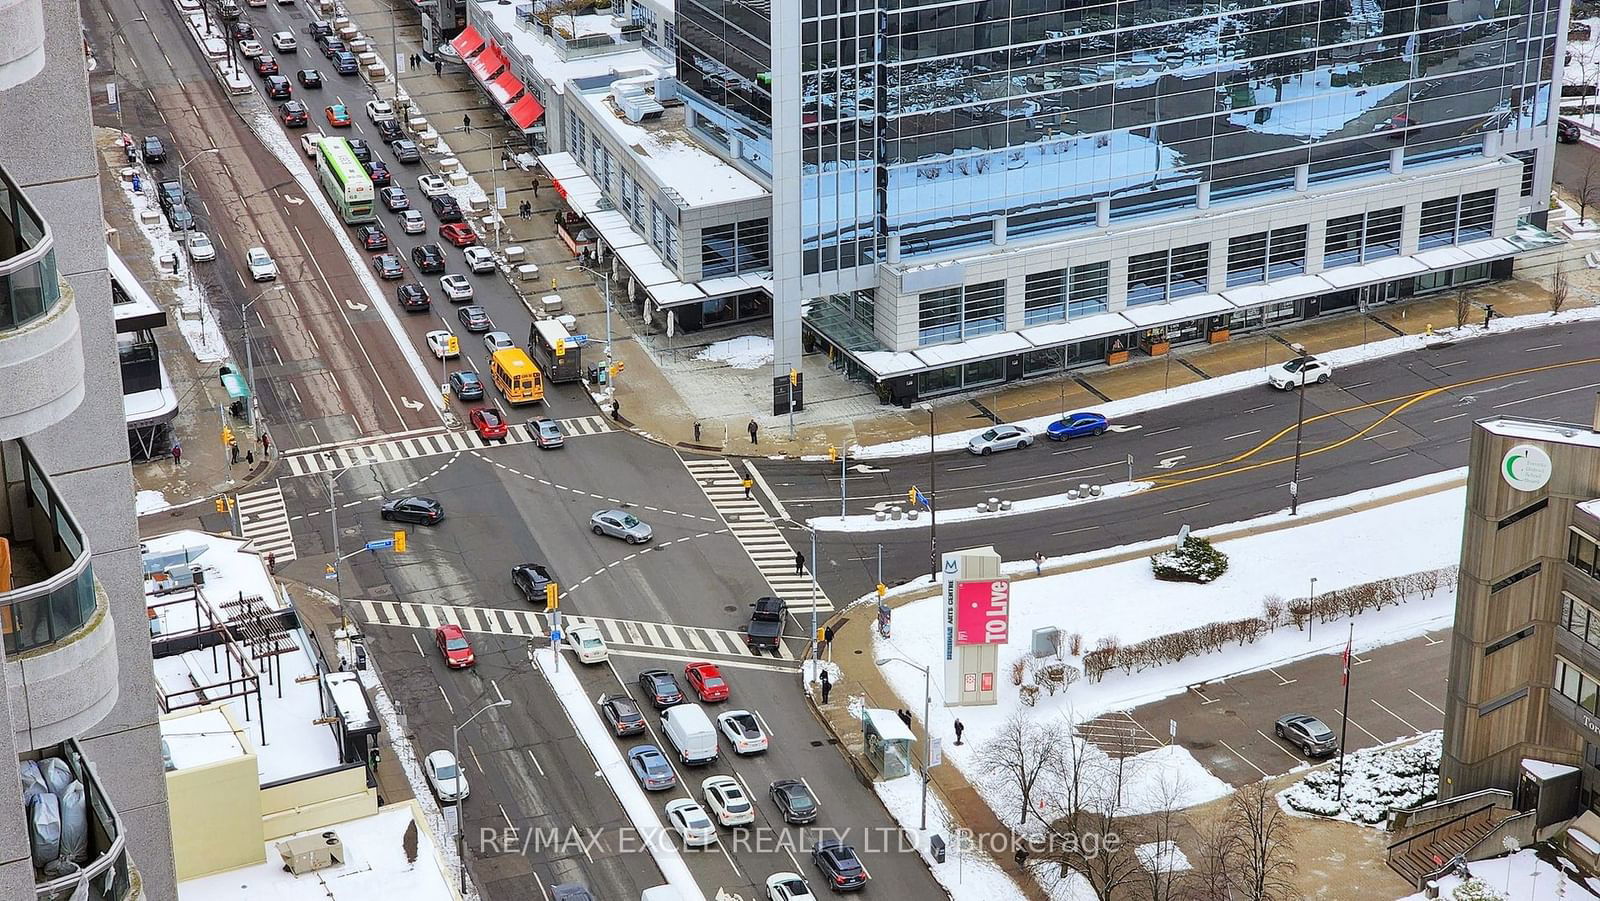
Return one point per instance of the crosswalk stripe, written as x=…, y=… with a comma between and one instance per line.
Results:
x=395, y=448
x=264, y=520
x=693, y=637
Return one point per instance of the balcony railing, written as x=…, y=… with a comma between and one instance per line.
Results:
x=29, y=286
x=106, y=873
x=49, y=592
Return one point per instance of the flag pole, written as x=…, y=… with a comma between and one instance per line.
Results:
x=1344, y=727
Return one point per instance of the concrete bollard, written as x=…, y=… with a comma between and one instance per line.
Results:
x=896, y=512
x=1005, y=505
x=1083, y=488
x=1095, y=490
x=1072, y=494
x=981, y=507
x=880, y=516
x=913, y=513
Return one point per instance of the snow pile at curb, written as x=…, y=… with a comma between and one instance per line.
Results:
x=1377, y=780
x=203, y=335
x=569, y=691
x=863, y=522
x=747, y=352
x=147, y=501
x=1252, y=378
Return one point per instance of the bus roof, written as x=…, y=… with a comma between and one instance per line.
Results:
x=514, y=360
x=341, y=158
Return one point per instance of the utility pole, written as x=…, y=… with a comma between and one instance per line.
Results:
x=933, y=509
x=1299, y=426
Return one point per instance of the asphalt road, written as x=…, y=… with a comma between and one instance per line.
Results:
x=1214, y=461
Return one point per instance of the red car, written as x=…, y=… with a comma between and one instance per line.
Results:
x=266, y=65
x=490, y=424
x=453, y=645
x=338, y=116
x=707, y=681
x=458, y=233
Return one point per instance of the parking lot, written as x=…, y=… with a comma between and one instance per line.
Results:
x=1395, y=691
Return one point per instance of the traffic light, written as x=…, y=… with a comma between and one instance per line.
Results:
x=400, y=541
x=552, y=596
x=822, y=633
x=227, y=435
x=882, y=589
x=911, y=496
x=616, y=368
x=621, y=366
x=794, y=377
x=222, y=505
x=561, y=347
x=833, y=454
x=453, y=345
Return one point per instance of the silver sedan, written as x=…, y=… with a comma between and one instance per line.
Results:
x=620, y=524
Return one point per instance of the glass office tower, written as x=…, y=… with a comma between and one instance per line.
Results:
x=904, y=135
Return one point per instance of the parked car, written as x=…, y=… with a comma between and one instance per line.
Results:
x=691, y=823
x=474, y=318
x=839, y=865
x=379, y=110
x=406, y=151
x=453, y=646
x=788, y=887
x=570, y=891
x=445, y=207
x=152, y=150
x=458, y=233
x=660, y=688
x=262, y=268
x=372, y=237
x=706, y=680
x=413, y=298
x=479, y=259
x=1568, y=131
x=329, y=45
x=545, y=432
x=794, y=800
x=445, y=776
x=652, y=768
x=319, y=27
x=743, y=730
x=727, y=801
x=586, y=643
x=201, y=250
x=620, y=524
x=179, y=218
x=1299, y=371
x=420, y=510
x=439, y=344
x=497, y=340
x=388, y=266
x=432, y=185
x=1000, y=438
x=412, y=223
x=1311, y=735
x=388, y=131
x=293, y=113
x=309, y=78
x=394, y=198
x=622, y=715
x=284, y=42
x=429, y=258
x=1076, y=425
x=489, y=424
x=456, y=287
x=466, y=385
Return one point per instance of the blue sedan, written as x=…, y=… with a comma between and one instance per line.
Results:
x=1076, y=425
x=652, y=768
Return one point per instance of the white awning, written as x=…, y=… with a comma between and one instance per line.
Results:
x=1367, y=273
x=674, y=293
x=736, y=284
x=973, y=349
x=1097, y=326
x=1275, y=292
x=1180, y=310
x=615, y=229
x=560, y=166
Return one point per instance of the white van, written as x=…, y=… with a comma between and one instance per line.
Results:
x=689, y=730
x=661, y=893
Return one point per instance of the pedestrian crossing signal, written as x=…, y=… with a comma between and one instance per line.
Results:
x=561, y=347
x=453, y=345
x=400, y=541
x=552, y=596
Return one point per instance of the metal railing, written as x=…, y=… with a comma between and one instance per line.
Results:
x=42, y=612
x=30, y=287
x=107, y=873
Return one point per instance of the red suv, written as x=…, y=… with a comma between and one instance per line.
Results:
x=453, y=645
x=491, y=426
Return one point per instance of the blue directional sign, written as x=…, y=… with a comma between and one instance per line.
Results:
x=555, y=635
x=579, y=340
x=380, y=544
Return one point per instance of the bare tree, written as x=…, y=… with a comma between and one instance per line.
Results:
x=1084, y=822
x=1166, y=796
x=1021, y=751
x=1463, y=308
x=1265, y=838
x=1588, y=187
x=1214, y=854
x=1560, y=290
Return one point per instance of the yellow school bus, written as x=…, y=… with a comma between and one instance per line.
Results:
x=516, y=376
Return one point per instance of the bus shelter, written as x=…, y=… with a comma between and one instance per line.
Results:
x=888, y=742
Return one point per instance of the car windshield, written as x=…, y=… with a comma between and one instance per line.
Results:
x=799, y=800
x=990, y=435
x=746, y=723
x=628, y=521
x=455, y=644
x=591, y=642
x=469, y=378
x=447, y=771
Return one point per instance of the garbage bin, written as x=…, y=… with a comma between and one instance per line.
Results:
x=936, y=847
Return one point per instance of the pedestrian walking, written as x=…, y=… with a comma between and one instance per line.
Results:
x=827, y=687
x=748, y=484
x=466, y=124
x=177, y=454
x=438, y=67
x=697, y=431
x=752, y=428
x=233, y=450
x=799, y=563
x=272, y=563
x=250, y=458
x=266, y=445
x=1038, y=564
x=505, y=161
x=536, y=187
x=959, y=729
x=616, y=408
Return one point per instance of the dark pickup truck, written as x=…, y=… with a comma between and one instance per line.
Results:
x=766, y=624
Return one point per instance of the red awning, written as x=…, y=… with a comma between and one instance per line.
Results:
x=467, y=42
x=526, y=111
x=504, y=88
x=486, y=63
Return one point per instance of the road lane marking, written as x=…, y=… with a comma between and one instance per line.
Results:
x=1162, y=431
x=1186, y=509
x=1512, y=403
x=1236, y=753
x=1388, y=459
x=1540, y=347
x=1448, y=418
x=1256, y=410
x=1426, y=701
x=535, y=763
x=1204, y=700
x=1395, y=715
x=1279, y=745
x=418, y=644
x=1174, y=450
x=1451, y=363
x=1359, y=726
x=965, y=468
x=1381, y=435
x=1243, y=434
x=1073, y=531
x=1281, y=680
x=447, y=700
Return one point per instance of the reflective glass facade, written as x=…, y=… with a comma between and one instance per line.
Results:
x=928, y=120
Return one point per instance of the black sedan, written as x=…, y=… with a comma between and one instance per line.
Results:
x=660, y=687
x=389, y=130
x=421, y=510
x=412, y=297
x=428, y=257
x=387, y=265
x=839, y=865
x=372, y=237
x=530, y=580
x=379, y=173
x=153, y=150
x=293, y=113
x=622, y=715
x=794, y=800
x=466, y=385
x=309, y=78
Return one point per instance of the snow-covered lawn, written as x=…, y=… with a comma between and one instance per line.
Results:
x=967, y=871
x=147, y=501
x=1162, y=857
x=1376, y=781
x=745, y=352
x=1523, y=876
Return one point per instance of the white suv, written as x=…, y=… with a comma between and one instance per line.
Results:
x=480, y=259
x=1299, y=371
x=379, y=110
x=262, y=268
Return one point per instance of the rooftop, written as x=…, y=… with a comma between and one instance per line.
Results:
x=375, y=866
x=546, y=58
x=231, y=571
x=1540, y=430
x=674, y=159
x=200, y=737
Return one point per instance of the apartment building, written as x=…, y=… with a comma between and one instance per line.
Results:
x=76, y=649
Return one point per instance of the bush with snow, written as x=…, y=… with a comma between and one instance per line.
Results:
x=1475, y=890
x=1193, y=561
x=1377, y=780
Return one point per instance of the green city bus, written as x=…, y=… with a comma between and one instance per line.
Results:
x=345, y=181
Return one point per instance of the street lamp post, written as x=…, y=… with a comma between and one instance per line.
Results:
x=927, y=727
x=184, y=164
x=455, y=751
x=1299, y=426
x=249, y=351
x=933, y=494
x=605, y=290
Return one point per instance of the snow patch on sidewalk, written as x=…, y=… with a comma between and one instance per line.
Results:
x=196, y=320
x=148, y=501
x=745, y=352
x=967, y=872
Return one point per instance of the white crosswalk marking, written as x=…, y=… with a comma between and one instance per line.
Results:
x=686, y=641
x=264, y=520
x=761, y=540
x=393, y=448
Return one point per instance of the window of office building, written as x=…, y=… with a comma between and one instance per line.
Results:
x=1090, y=290
x=1190, y=265
x=1044, y=297
x=1147, y=278
x=1438, y=225
x=1341, y=243
x=951, y=314
x=1580, y=619
x=663, y=234
x=1164, y=274
x=736, y=247
x=1286, y=251
x=939, y=316
x=1247, y=259
x=1383, y=234
x=1477, y=216
x=1583, y=553
x=984, y=309
x=754, y=246
x=1576, y=685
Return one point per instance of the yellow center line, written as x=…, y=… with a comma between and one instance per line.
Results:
x=1166, y=480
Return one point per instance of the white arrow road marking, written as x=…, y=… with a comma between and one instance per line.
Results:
x=409, y=403
x=1169, y=462
x=358, y=307
x=290, y=198
x=865, y=469
x=1123, y=428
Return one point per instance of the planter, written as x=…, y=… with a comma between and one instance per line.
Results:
x=1116, y=356
x=1217, y=337
x=1157, y=348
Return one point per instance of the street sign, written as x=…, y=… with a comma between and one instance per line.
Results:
x=935, y=752
x=579, y=340
x=500, y=197
x=555, y=620
x=111, y=93
x=555, y=635
x=1172, y=728
x=380, y=544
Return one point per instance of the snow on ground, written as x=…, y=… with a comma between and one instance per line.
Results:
x=1377, y=780
x=148, y=501
x=744, y=352
x=1584, y=67
x=1252, y=378
x=866, y=522
x=1404, y=537
x=1162, y=857
x=968, y=871
x=196, y=321
x=602, y=746
x=1527, y=875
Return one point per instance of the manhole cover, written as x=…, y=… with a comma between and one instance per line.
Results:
x=816, y=744
x=729, y=608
